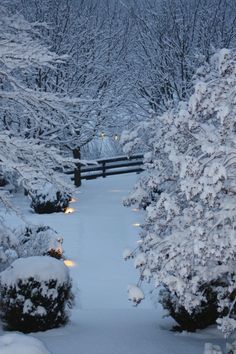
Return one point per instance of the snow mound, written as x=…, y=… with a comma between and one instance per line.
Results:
x=40, y=268
x=127, y=253
x=135, y=294
x=21, y=344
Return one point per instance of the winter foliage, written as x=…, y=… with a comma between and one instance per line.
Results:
x=27, y=114
x=188, y=238
x=31, y=240
x=49, y=199
x=36, y=240
x=35, y=294
x=73, y=74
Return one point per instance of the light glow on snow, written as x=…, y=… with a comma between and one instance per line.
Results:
x=69, y=210
x=136, y=224
x=73, y=200
x=135, y=209
x=116, y=190
x=69, y=263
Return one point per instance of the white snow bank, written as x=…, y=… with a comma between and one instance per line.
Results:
x=41, y=268
x=15, y=343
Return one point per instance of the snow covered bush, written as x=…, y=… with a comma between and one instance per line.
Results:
x=48, y=199
x=35, y=240
x=212, y=349
x=16, y=343
x=215, y=349
x=33, y=166
x=35, y=294
x=188, y=240
x=32, y=240
x=8, y=247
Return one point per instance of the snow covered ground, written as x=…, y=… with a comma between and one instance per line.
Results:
x=103, y=321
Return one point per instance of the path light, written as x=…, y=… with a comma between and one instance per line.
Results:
x=136, y=224
x=102, y=135
x=69, y=210
x=69, y=263
x=116, y=137
x=116, y=190
x=135, y=209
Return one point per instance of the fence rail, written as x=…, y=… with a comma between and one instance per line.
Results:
x=108, y=167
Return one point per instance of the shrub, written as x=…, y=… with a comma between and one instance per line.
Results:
x=8, y=247
x=35, y=294
x=49, y=199
x=212, y=349
x=37, y=240
x=33, y=240
x=202, y=316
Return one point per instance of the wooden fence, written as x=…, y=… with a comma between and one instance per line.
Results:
x=108, y=167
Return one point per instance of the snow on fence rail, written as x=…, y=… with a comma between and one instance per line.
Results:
x=108, y=167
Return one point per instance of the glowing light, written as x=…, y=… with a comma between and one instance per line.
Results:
x=69, y=263
x=116, y=137
x=135, y=209
x=73, y=200
x=102, y=135
x=69, y=210
x=116, y=190
x=136, y=224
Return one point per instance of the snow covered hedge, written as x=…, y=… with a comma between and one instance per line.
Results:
x=8, y=247
x=35, y=294
x=32, y=240
x=39, y=240
x=188, y=240
x=49, y=199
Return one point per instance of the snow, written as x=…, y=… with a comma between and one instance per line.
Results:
x=212, y=349
x=103, y=320
x=40, y=268
x=21, y=344
x=136, y=295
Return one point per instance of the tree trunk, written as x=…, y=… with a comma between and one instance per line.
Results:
x=77, y=172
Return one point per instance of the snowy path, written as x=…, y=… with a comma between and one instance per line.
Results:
x=104, y=322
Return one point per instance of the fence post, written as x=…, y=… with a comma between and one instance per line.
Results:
x=77, y=170
x=104, y=169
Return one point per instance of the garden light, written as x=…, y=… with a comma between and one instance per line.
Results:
x=69, y=263
x=69, y=210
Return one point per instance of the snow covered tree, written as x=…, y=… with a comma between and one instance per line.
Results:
x=188, y=239
x=171, y=39
x=94, y=37
x=29, y=109
x=32, y=121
